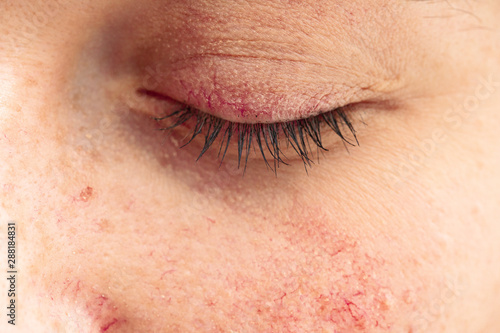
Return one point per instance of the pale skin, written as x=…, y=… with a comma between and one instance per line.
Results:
x=120, y=230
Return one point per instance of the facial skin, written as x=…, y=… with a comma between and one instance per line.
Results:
x=119, y=230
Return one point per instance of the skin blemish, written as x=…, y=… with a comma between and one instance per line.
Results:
x=74, y=303
x=210, y=223
x=323, y=279
x=170, y=271
x=107, y=326
x=103, y=312
x=104, y=225
x=7, y=188
x=86, y=194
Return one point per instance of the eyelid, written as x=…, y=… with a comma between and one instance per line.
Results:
x=232, y=89
x=167, y=103
x=300, y=134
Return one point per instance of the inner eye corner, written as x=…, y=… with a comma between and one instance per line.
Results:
x=144, y=92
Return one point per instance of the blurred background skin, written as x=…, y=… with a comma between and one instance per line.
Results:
x=121, y=231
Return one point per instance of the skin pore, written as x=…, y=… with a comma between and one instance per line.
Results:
x=120, y=230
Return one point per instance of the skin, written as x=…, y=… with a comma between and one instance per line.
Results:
x=119, y=230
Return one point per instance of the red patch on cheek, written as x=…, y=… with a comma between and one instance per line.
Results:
x=318, y=278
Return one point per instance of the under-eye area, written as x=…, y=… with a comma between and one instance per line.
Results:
x=277, y=143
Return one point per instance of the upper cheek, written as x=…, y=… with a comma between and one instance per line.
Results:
x=279, y=263
x=347, y=251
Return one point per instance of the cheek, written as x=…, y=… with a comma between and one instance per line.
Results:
x=282, y=266
x=312, y=270
x=218, y=256
x=295, y=274
x=308, y=273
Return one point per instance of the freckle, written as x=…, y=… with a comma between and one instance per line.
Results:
x=86, y=194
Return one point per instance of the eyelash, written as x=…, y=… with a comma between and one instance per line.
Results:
x=298, y=134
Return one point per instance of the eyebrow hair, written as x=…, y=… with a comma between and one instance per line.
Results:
x=452, y=6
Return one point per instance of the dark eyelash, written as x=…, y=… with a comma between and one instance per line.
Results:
x=297, y=133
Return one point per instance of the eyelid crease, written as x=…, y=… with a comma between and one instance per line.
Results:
x=264, y=56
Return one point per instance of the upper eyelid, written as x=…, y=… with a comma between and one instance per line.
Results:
x=301, y=105
x=262, y=81
x=150, y=94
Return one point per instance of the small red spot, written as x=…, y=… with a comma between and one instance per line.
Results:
x=8, y=187
x=86, y=194
x=77, y=290
x=280, y=299
x=101, y=300
x=170, y=271
x=67, y=284
x=210, y=302
x=128, y=206
x=107, y=326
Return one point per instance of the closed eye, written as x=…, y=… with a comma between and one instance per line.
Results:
x=269, y=140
